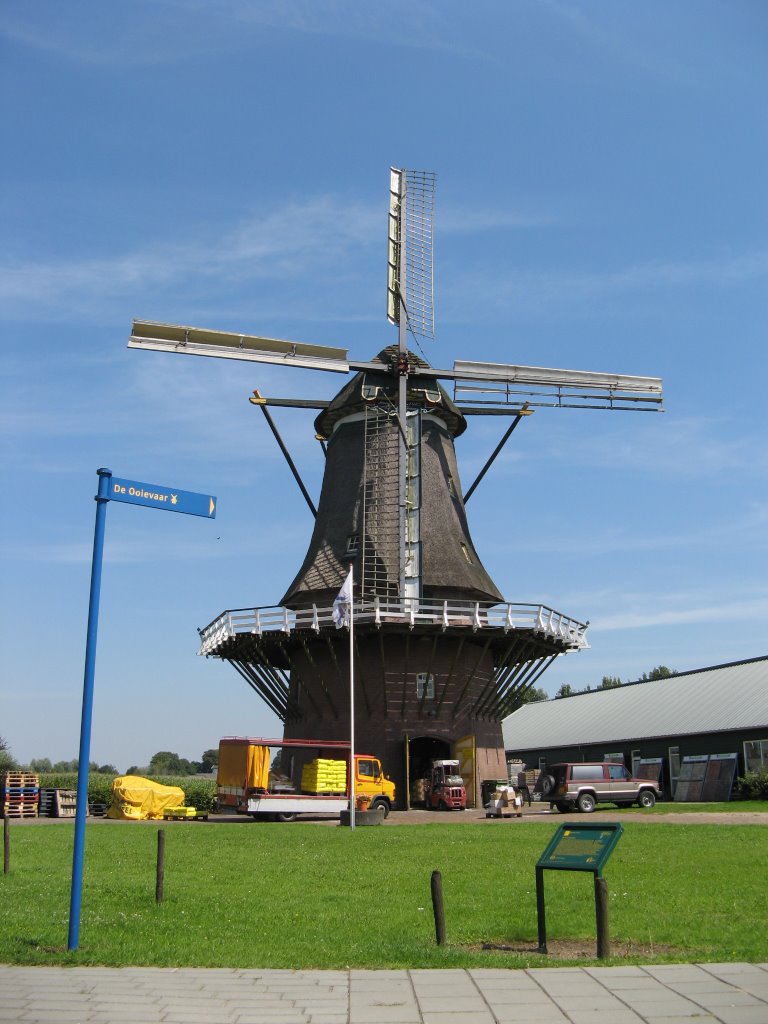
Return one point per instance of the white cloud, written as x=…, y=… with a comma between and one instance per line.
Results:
x=138, y=34
x=526, y=291
x=284, y=242
x=688, y=612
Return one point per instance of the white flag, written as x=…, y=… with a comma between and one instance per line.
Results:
x=343, y=603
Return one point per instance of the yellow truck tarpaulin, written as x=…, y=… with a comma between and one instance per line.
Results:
x=138, y=799
x=243, y=764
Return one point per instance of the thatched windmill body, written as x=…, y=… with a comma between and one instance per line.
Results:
x=440, y=656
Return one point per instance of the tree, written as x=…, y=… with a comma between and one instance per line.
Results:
x=210, y=760
x=41, y=764
x=660, y=672
x=7, y=762
x=566, y=690
x=610, y=683
x=529, y=697
x=166, y=762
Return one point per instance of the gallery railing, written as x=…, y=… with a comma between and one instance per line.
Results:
x=475, y=615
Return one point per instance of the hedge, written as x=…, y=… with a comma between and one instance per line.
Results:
x=198, y=793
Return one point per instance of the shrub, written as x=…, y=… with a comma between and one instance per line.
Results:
x=198, y=793
x=99, y=785
x=754, y=785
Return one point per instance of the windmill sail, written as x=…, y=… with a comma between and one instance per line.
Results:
x=410, y=278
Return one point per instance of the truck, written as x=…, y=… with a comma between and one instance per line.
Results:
x=275, y=780
x=446, y=790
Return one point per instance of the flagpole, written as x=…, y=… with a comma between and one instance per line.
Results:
x=351, y=699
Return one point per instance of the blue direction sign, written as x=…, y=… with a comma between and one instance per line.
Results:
x=157, y=496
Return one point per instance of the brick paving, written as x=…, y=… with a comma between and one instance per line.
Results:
x=726, y=993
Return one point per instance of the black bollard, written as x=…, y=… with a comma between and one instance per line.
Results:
x=160, y=865
x=6, y=845
x=437, y=907
x=601, y=915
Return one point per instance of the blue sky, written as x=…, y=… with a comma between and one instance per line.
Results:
x=601, y=204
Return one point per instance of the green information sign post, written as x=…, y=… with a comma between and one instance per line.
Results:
x=579, y=847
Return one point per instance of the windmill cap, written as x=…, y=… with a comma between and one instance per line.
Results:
x=368, y=385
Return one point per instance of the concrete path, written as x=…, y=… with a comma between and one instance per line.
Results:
x=730, y=993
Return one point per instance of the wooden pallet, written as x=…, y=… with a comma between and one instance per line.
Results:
x=171, y=816
x=65, y=803
x=19, y=779
x=20, y=810
x=47, y=803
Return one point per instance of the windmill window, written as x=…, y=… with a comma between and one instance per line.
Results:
x=451, y=486
x=465, y=549
x=425, y=686
x=353, y=543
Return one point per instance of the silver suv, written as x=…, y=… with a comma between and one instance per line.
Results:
x=583, y=785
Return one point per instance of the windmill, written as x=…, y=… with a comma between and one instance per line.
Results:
x=441, y=657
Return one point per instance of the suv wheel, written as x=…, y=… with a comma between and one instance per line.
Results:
x=547, y=784
x=564, y=807
x=586, y=803
x=646, y=798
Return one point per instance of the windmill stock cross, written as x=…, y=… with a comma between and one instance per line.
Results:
x=441, y=656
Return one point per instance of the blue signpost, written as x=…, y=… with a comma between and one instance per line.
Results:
x=136, y=493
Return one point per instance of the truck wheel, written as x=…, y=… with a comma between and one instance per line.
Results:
x=646, y=798
x=586, y=803
x=442, y=806
x=285, y=817
x=381, y=803
x=563, y=807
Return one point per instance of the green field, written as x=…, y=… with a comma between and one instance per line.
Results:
x=309, y=896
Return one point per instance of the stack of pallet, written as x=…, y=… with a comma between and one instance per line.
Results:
x=19, y=794
x=324, y=776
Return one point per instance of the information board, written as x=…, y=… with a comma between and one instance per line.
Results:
x=581, y=847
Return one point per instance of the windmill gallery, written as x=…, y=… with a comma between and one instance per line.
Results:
x=440, y=656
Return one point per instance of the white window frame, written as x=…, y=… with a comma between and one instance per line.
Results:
x=425, y=686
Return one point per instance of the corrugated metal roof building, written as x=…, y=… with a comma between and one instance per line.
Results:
x=718, y=710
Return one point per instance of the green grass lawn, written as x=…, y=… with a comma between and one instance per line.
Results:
x=307, y=896
x=670, y=807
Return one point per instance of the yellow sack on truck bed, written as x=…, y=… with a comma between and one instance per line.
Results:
x=137, y=799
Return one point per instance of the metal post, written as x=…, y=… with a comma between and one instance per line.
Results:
x=601, y=915
x=492, y=458
x=438, y=907
x=352, y=794
x=287, y=456
x=6, y=845
x=87, y=713
x=402, y=384
x=540, y=913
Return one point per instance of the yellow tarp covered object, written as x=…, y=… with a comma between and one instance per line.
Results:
x=243, y=764
x=137, y=799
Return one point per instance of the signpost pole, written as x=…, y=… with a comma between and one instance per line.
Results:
x=102, y=498
x=540, y=911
